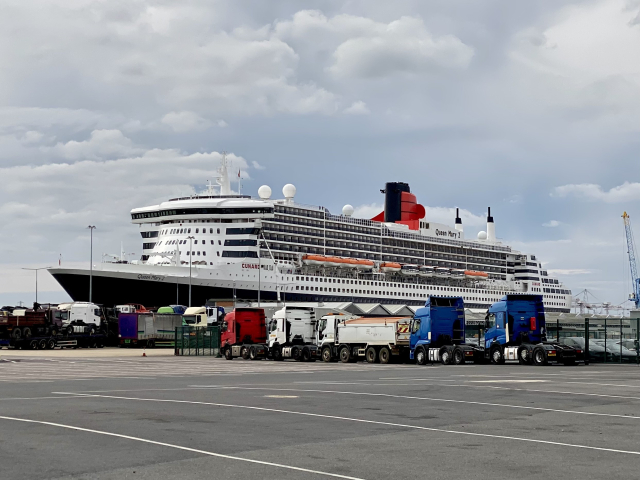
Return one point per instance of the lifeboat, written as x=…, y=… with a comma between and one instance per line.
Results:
x=475, y=274
x=313, y=259
x=364, y=264
x=442, y=271
x=426, y=271
x=410, y=269
x=456, y=272
x=334, y=262
x=390, y=267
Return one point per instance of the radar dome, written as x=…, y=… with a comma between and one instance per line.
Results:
x=347, y=210
x=482, y=235
x=289, y=191
x=264, y=192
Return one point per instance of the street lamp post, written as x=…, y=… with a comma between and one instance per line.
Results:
x=91, y=229
x=190, y=237
x=36, y=270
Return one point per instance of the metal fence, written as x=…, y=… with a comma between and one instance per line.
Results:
x=197, y=341
x=606, y=340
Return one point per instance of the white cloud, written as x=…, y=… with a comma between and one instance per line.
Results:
x=367, y=211
x=185, y=121
x=222, y=124
x=102, y=144
x=257, y=166
x=551, y=223
x=402, y=46
x=622, y=193
x=357, y=108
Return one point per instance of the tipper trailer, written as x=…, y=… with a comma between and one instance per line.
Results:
x=244, y=334
x=374, y=339
x=438, y=333
x=292, y=334
x=515, y=329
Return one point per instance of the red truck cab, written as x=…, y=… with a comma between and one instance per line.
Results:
x=244, y=334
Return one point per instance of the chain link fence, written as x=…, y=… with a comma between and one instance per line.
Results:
x=197, y=341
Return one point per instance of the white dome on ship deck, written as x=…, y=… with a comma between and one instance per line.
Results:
x=347, y=210
x=482, y=235
x=264, y=192
x=289, y=191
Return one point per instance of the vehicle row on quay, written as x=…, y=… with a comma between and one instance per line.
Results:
x=515, y=330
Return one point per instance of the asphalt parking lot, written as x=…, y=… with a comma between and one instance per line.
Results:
x=121, y=417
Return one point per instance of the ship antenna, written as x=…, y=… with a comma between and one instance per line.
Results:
x=223, y=179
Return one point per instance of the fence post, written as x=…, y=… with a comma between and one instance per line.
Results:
x=586, y=341
x=175, y=342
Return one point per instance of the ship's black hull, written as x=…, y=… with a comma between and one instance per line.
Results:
x=110, y=291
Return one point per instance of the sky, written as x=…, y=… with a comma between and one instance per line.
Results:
x=531, y=108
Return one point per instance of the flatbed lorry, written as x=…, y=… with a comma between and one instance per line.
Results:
x=244, y=334
x=438, y=334
x=515, y=329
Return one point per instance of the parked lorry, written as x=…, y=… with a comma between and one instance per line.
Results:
x=244, y=334
x=374, y=339
x=438, y=333
x=81, y=317
x=50, y=327
x=515, y=330
x=292, y=334
x=148, y=329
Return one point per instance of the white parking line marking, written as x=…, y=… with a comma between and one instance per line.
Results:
x=361, y=420
x=179, y=447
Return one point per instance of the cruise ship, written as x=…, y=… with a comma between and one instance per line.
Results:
x=225, y=246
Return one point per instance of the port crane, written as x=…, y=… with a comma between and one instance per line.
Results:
x=631, y=250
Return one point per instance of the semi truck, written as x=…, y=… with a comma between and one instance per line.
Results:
x=292, y=334
x=244, y=334
x=438, y=333
x=148, y=329
x=515, y=329
x=80, y=317
x=374, y=339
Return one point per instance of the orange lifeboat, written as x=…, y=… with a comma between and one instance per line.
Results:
x=364, y=264
x=313, y=259
x=390, y=267
x=475, y=274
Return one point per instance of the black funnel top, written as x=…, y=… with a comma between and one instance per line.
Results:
x=489, y=217
x=458, y=219
x=393, y=200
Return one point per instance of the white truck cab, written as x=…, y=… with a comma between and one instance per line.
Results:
x=195, y=317
x=77, y=316
x=292, y=334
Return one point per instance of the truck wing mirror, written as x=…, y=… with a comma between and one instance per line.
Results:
x=223, y=327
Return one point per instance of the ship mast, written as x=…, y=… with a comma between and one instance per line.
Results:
x=223, y=179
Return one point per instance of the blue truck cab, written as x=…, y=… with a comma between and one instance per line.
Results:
x=438, y=333
x=515, y=329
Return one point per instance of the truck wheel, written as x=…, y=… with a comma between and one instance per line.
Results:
x=421, y=356
x=92, y=330
x=51, y=344
x=42, y=344
x=33, y=345
x=384, y=355
x=54, y=332
x=371, y=355
x=277, y=354
x=458, y=356
x=496, y=356
x=16, y=333
x=244, y=353
x=445, y=356
x=326, y=354
x=253, y=353
x=524, y=357
x=26, y=332
x=295, y=353
x=306, y=355
x=539, y=357
x=227, y=353
x=345, y=355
